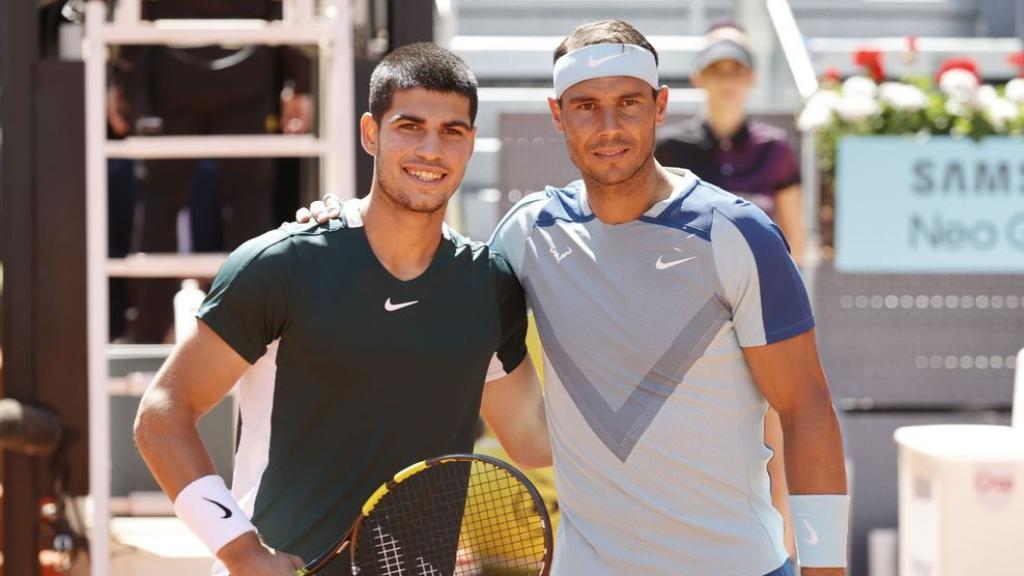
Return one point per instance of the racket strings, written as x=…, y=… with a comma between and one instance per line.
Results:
x=464, y=518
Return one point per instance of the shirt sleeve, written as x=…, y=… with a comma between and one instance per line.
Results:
x=512, y=312
x=512, y=235
x=787, y=166
x=759, y=280
x=248, y=303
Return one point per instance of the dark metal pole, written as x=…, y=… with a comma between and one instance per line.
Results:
x=410, y=21
x=19, y=47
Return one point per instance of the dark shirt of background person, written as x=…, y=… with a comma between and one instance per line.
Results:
x=726, y=148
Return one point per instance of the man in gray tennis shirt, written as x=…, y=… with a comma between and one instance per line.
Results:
x=669, y=311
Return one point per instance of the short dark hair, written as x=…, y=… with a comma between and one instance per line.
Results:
x=420, y=65
x=613, y=31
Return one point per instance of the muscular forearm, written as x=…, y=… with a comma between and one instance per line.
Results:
x=533, y=443
x=513, y=407
x=814, y=451
x=169, y=442
x=814, y=461
x=524, y=438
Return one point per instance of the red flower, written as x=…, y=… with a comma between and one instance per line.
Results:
x=1017, y=60
x=831, y=75
x=871, y=60
x=958, y=63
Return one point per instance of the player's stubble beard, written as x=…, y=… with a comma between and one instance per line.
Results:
x=603, y=184
x=390, y=188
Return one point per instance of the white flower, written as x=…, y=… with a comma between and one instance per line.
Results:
x=902, y=96
x=818, y=112
x=984, y=97
x=955, y=107
x=857, y=108
x=814, y=118
x=824, y=98
x=1015, y=90
x=859, y=86
x=1001, y=112
x=958, y=84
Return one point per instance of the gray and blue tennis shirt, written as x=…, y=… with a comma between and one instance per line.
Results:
x=656, y=424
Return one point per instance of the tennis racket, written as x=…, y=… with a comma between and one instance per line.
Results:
x=457, y=515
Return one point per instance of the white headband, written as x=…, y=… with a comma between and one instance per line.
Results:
x=603, y=60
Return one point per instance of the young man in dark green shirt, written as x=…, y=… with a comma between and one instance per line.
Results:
x=360, y=346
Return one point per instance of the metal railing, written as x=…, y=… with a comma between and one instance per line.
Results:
x=330, y=31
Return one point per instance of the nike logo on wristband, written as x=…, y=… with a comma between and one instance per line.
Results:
x=812, y=534
x=227, y=512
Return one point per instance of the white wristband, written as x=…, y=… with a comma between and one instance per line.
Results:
x=821, y=523
x=208, y=509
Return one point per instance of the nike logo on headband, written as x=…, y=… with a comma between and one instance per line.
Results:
x=595, y=62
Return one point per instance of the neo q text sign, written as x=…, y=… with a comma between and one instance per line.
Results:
x=930, y=205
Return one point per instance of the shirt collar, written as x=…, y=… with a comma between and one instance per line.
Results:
x=739, y=138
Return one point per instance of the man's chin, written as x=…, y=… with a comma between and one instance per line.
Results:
x=428, y=205
x=612, y=177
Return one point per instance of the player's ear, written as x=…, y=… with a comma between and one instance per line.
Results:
x=369, y=133
x=556, y=115
x=661, y=103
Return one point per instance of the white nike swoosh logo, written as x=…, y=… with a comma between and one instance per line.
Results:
x=595, y=62
x=662, y=265
x=392, y=307
x=813, y=539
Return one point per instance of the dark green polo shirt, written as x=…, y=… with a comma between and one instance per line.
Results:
x=364, y=374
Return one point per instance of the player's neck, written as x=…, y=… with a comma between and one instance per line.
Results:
x=403, y=241
x=628, y=200
x=724, y=120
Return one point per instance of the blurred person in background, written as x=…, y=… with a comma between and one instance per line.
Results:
x=749, y=158
x=752, y=159
x=204, y=90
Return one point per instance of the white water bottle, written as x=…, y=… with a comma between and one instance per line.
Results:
x=186, y=304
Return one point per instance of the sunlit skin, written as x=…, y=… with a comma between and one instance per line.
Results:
x=609, y=125
x=421, y=148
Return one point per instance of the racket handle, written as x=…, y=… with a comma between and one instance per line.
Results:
x=315, y=566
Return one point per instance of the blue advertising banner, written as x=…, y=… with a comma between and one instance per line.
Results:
x=930, y=205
